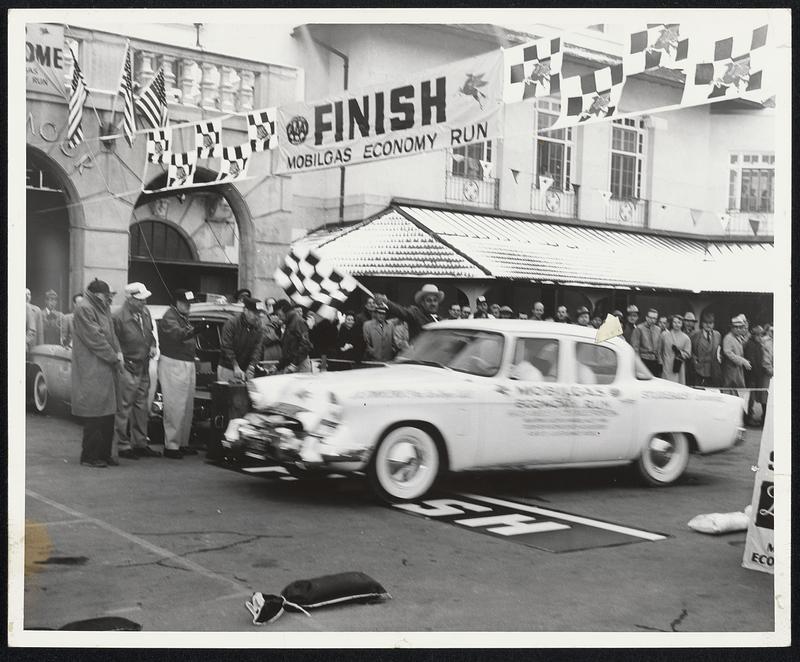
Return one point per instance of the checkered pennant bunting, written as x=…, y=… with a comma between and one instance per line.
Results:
x=207, y=138
x=158, y=143
x=737, y=66
x=313, y=283
x=591, y=97
x=180, y=171
x=660, y=45
x=233, y=162
x=532, y=70
x=261, y=129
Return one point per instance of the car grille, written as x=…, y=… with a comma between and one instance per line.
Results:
x=262, y=439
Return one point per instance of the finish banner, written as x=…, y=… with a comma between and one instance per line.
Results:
x=45, y=69
x=759, y=552
x=441, y=108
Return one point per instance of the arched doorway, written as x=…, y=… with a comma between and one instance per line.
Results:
x=47, y=229
x=189, y=238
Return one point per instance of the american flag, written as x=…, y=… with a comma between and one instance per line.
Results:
x=77, y=98
x=126, y=90
x=311, y=282
x=233, y=163
x=153, y=101
x=261, y=129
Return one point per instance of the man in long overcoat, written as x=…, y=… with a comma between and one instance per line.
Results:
x=96, y=361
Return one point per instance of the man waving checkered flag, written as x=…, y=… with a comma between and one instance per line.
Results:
x=313, y=283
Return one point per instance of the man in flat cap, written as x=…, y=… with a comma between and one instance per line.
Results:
x=241, y=344
x=481, y=308
x=176, y=374
x=582, y=316
x=425, y=310
x=134, y=328
x=96, y=362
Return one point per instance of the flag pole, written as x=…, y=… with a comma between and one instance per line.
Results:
x=119, y=84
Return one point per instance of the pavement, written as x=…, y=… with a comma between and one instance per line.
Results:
x=179, y=545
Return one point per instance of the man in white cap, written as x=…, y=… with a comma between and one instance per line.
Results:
x=134, y=328
x=425, y=311
x=733, y=362
x=631, y=320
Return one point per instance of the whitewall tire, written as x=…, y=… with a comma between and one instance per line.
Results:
x=664, y=458
x=405, y=465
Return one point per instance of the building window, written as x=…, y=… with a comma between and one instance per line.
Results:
x=160, y=241
x=553, y=148
x=466, y=161
x=751, y=183
x=627, y=158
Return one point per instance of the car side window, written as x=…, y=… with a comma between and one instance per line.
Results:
x=535, y=360
x=595, y=364
x=207, y=338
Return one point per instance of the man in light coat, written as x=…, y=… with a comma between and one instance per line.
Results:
x=96, y=362
x=706, y=343
x=134, y=328
x=734, y=363
x=646, y=342
x=378, y=336
x=34, y=334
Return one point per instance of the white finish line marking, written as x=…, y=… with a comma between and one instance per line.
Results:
x=258, y=470
x=625, y=530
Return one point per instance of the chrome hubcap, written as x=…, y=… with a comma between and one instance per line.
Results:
x=661, y=452
x=404, y=462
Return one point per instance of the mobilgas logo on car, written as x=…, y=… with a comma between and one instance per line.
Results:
x=447, y=107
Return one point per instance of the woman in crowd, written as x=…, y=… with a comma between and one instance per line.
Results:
x=675, y=349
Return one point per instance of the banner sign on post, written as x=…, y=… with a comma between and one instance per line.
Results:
x=45, y=66
x=759, y=553
x=446, y=107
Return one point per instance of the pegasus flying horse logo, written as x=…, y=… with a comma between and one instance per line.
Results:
x=667, y=41
x=599, y=107
x=736, y=74
x=471, y=85
x=539, y=74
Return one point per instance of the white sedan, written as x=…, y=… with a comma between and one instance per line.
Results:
x=475, y=394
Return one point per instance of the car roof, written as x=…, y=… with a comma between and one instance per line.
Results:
x=520, y=327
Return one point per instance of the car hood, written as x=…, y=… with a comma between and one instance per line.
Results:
x=318, y=391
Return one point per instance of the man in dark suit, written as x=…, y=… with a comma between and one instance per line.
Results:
x=705, y=353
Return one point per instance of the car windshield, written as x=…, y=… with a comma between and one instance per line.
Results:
x=464, y=350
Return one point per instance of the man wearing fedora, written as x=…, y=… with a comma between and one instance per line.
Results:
x=96, y=362
x=734, y=362
x=379, y=336
x=582, y=316
x=176, y=374
x=425, y=310
x=134, y=328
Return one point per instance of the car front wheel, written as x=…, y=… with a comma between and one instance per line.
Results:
x=38, y=394
x=405, y=465
x=664, y=458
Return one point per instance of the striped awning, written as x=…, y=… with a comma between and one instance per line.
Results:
x=411, y=241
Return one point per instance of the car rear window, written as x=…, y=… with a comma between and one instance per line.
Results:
x=595, y=364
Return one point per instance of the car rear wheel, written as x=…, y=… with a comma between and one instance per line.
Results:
x=664, y=458
x=405, y=465
x=38, y=394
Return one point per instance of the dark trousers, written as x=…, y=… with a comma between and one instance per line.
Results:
x=703, y=381
x=653, y=366
x=98, y=431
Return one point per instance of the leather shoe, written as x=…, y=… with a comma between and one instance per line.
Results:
x=188, y=451
x=173, y=454
x=146, y=451
x=129, y=454
x=111, y=462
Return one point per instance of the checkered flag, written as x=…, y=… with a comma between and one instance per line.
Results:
x=660, y=45
x=233, y=162
x=261, y=129
x=591, y=97
x=737, y=66
x=158, y=142
x=207, y=137
x=180, y=171
x=532, y=70
x=313, y=283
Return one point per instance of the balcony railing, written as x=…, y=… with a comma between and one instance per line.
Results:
x=193, y=78
x=750, y=223
x=468, y=191
x=553, y=202
x=631, y=212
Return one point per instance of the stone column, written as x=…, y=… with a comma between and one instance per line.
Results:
x=246, y=90
x=168, y=62
x=209, y=92
x=146, y=72
x=187, y=82
x=227, y=101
